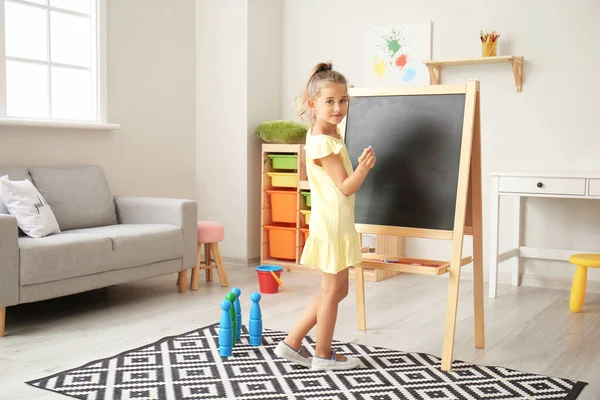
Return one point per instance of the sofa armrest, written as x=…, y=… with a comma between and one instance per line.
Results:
x=154, y=210
x=9, y=261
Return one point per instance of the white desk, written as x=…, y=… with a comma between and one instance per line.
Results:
x=519, y=185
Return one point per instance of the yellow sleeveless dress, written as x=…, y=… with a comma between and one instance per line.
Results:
x=333, y=243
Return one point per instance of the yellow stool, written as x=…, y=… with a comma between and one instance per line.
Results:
x=583, y=262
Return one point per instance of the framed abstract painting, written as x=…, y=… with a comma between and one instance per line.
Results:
x=394, y=55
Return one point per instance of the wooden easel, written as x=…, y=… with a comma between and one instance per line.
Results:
x=467, y=221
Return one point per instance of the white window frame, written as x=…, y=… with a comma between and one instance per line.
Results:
x=100, y=70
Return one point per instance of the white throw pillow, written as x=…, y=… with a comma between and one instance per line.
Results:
x=24, y=202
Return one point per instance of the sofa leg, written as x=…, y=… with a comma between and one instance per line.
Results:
x=2, y=320
x=183, y=281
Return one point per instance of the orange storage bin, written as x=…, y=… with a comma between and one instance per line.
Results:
x=283, y=205
x=282, y=242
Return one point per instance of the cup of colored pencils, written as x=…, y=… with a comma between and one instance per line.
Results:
x=488, y=43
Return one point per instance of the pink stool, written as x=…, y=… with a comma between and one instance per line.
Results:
x=209, y=234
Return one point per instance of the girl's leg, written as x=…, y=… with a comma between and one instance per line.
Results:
x=309, y=317
x=331, y=287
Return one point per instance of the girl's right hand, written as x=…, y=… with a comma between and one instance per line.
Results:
x=367, y=159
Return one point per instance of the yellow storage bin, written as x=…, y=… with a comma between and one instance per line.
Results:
x=284, y=179
x=306, y=214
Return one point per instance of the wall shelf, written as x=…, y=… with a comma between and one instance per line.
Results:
x=435, y=67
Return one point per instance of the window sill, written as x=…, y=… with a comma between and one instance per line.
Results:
x=57, y=124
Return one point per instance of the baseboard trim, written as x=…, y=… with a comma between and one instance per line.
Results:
x=237, y=262
x=537, y=281
x=549, y=282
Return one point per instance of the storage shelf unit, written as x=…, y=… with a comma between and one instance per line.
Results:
x=295, y=175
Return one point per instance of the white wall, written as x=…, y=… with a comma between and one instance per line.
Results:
x=265, y=24
x=221, y=129
x=238, y=86
x=150, y=69
x=551, y=125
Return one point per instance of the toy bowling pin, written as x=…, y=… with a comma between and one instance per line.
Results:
x=255, y=324
x=225, y=330
x=231, y=298
x=238, y=312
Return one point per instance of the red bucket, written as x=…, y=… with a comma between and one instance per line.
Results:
x=266, y=281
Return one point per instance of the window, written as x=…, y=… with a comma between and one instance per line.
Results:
x=51, y=60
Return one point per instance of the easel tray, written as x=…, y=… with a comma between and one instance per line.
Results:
x=408, y=265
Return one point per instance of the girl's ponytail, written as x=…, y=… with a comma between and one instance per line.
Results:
x=320, y=74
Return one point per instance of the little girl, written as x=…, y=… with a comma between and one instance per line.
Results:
x=333, y=243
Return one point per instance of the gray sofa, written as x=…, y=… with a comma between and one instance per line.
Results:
x=104, y=240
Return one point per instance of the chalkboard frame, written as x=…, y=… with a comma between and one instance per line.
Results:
x=467, y=218
x=470, y=94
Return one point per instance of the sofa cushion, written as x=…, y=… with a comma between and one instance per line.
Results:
x=79, y=196
x=88, y=251
x=64, y=255
x=139, y=244
x=14, y=174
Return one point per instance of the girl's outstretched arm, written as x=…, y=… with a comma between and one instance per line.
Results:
x=348, y=185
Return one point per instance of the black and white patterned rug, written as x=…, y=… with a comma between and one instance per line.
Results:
x=189, y=367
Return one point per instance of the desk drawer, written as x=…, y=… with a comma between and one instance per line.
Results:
x=595, y=187
x=532, y=184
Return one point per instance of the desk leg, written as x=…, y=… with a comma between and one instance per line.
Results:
x=494, y=221
x=517, y=271
x=359, y=279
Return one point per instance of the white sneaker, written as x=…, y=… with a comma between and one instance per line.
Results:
x=301, y=356
x=330, y=364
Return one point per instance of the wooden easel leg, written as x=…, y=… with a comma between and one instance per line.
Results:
x=476, y=210
x=464, y=184
x=451, y=309
x=478, y=296
x=196, y=270
x=359, y=278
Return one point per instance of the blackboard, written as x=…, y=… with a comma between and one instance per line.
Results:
x=417, y=141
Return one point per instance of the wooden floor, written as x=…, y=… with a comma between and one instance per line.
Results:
x=529, y=329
